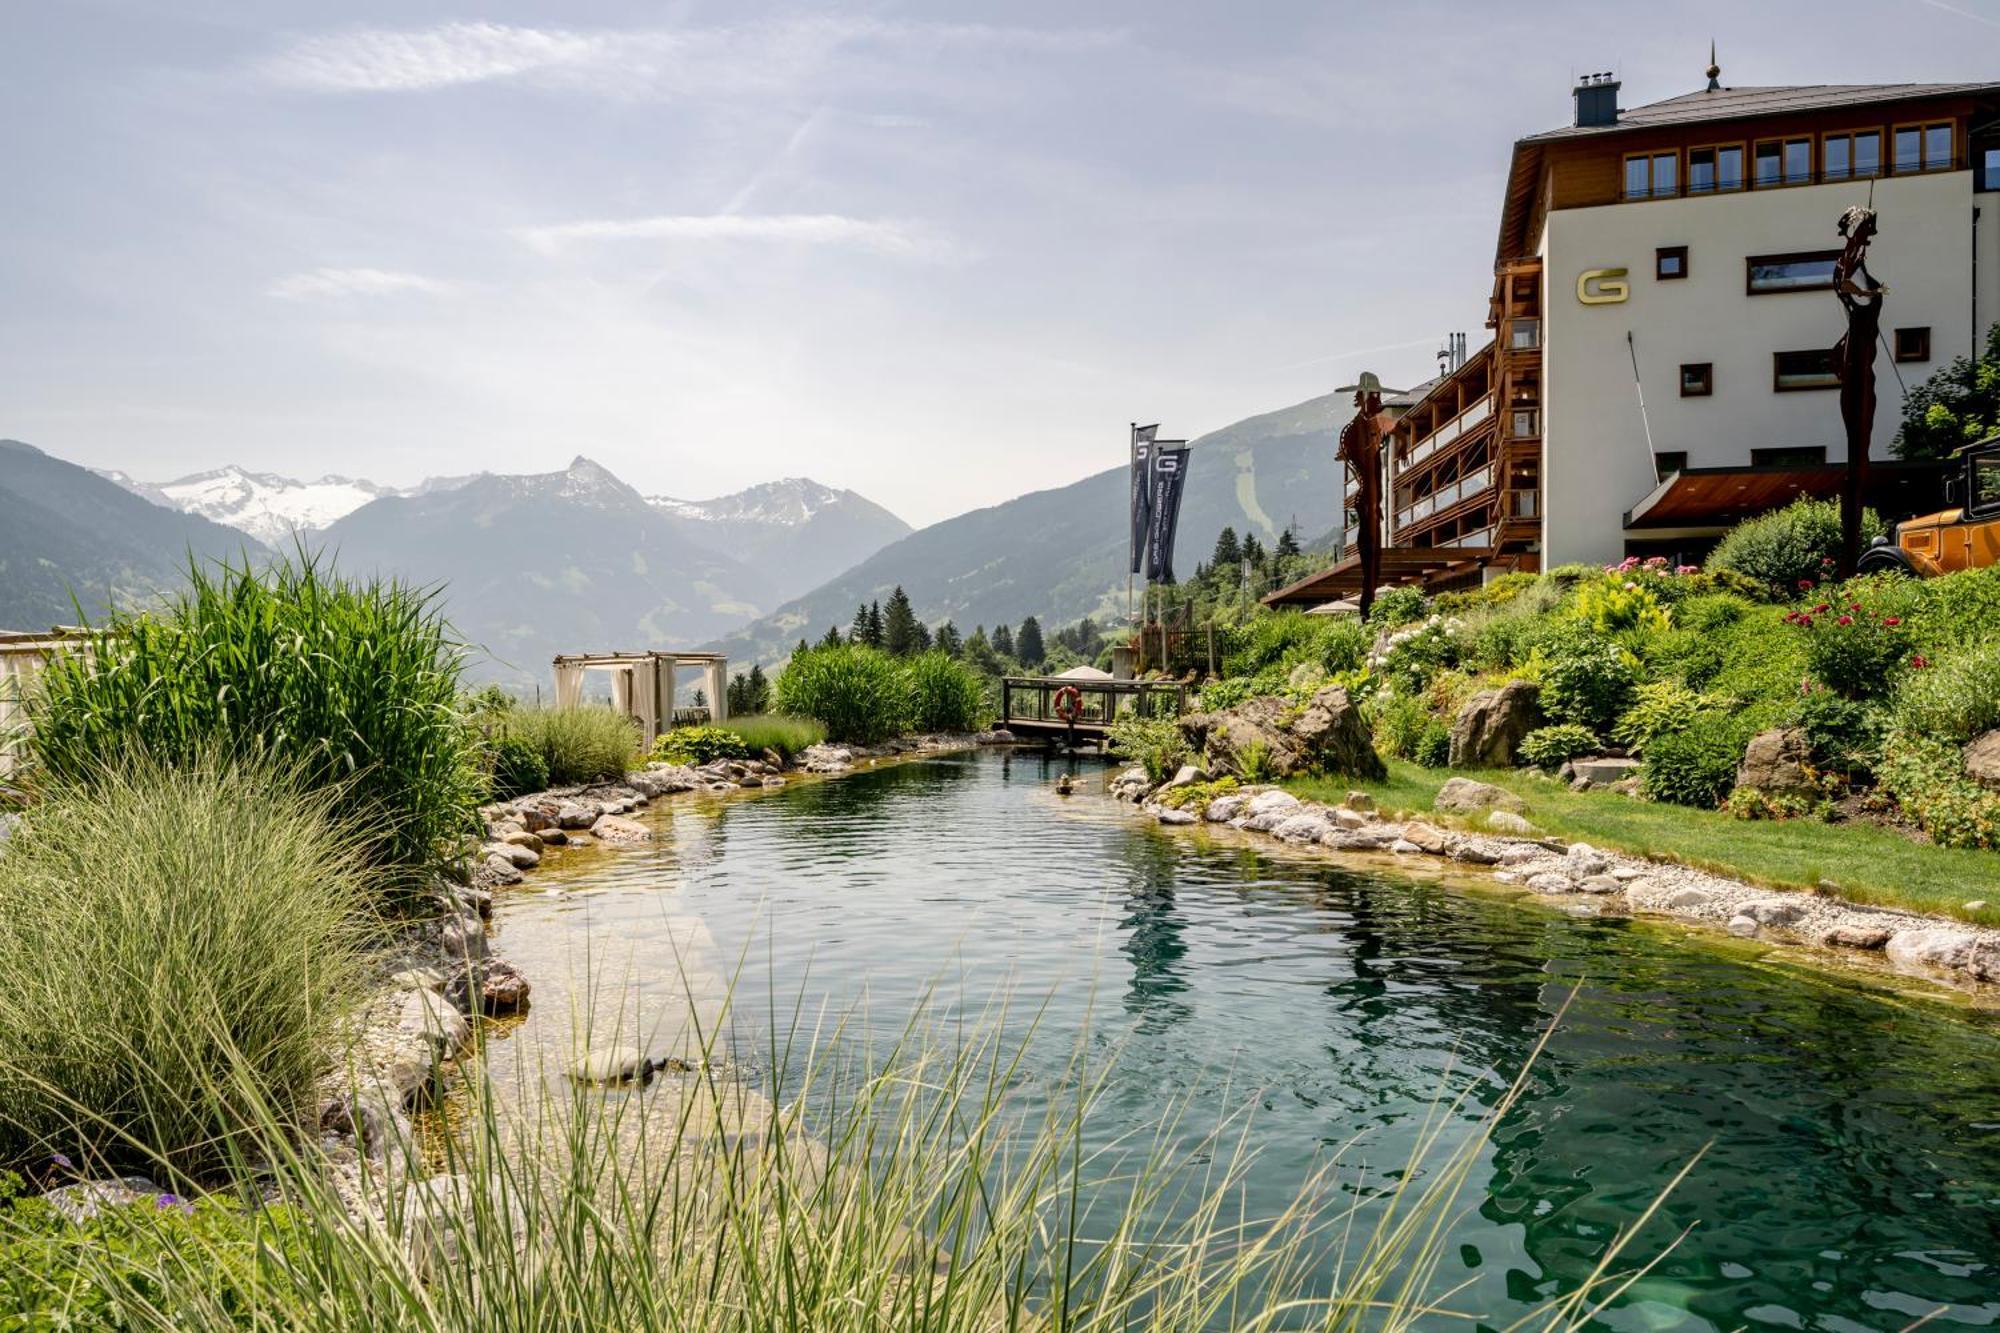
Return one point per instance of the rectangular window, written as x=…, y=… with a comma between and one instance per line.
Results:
x=1525, y=423
x=1670, y=462
x=1913, y=344
x=1715, y=170
x=1793, y=372
x=1807, y=271
x=1792, y=456
x=1989, y=168
x=1525, y=335
x=1851, y=156
x=1670, y=262
x=1923, y=147
x=1697, y=379
x=1985, y=492
x=1784, y=162
x=1652, y=175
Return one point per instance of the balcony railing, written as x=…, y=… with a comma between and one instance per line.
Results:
x=1445, y=497
x=1451, y=430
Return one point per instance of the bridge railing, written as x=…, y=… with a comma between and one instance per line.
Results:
x=1030, y=701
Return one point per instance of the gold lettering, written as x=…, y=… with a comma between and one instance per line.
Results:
x=1602, y=286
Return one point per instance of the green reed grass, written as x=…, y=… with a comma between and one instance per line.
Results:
x=156, y=926
x=342, y=684
x=905, y=1188
x=583, y=743
x=789, y=736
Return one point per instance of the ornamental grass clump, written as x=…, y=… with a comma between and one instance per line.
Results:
x=581, y=743
x=789, y=737
x=179, y=944
x=859, y=694
x=944, y=694
x=343, y=685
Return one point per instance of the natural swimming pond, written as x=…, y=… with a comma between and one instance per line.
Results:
x=1852, y=1178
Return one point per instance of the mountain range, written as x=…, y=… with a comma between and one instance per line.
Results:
x=577, y=560
x=65, y=533
x=1062, y=554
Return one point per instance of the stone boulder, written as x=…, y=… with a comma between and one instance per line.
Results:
x=1488, y=730
x=1982, y=759
x=1327, y=736
x=1463, y=796
x=617, y=829
x=1776, y=761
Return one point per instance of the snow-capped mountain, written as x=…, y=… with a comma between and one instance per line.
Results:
x=267, y=506
x=795, y=530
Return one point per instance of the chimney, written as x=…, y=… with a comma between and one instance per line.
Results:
x=1596, y=100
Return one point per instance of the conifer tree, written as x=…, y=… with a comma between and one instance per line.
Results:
x=1227, y=552
x=874, y=624
x=832, y=639
x=757, y=695
x=1253, y=551
x=948, y=641
x=920, y=637
x=1028, y=643
x=899, y=625
x=1003, y=641
x=805, y=647
x=858, y=631
x=1288, y=544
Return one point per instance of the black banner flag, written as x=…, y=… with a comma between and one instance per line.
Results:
x=1142, y=490
x=1163, y=507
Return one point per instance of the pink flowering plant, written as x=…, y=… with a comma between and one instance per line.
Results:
x=1855, y=646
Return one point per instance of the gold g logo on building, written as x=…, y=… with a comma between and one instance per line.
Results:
x=1602, y=286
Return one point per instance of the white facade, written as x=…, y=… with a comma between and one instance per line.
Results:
x=1596, y=462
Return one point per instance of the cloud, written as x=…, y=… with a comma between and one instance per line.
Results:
x=631, y=61
x=342, y=282
x=830, y=229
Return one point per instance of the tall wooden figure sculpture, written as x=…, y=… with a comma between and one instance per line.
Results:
x=1361, y=450
x=1854, y=363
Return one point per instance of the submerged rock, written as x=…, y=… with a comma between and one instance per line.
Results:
x=619, y=830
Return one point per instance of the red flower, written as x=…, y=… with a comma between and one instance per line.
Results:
x=1854, y=606
x=1805, y=583
x=1806, y=621
x=1845, y=620
x=1919, y=661
x=1821, y=609
x=1892, y=620
x=1826, y=562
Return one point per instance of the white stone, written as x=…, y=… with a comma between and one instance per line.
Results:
x=1744, y=926
x=1551, y=881
x=1306, y=826
x=1168, y=815
x=1507, y=821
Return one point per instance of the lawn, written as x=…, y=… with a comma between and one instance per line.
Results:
x=1865, y=864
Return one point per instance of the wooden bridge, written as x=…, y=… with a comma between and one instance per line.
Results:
x=1027, y=705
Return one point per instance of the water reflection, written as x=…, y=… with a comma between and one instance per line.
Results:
x=1853, y=1136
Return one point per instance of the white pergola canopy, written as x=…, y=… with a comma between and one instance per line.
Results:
x=642, y=684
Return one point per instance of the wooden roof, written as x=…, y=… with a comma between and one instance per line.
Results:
x=1400, y=565
x=1721, y=497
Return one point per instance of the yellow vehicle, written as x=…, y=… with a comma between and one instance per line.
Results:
x=1967, y=537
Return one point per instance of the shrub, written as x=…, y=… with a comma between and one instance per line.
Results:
x=1154, y=743
x=1196, y=795
x=1589, y=682
x=700, y=745
x=179, y=945
x=1789, y=549
x=1659, y=709
x=583, y=743
x=1396, y=606
x=1952, y=699
x=1434, y=745
x=346, y=686
x=1616, y=602
x=1927, y=778
x=517, y=768
x=789, y=736
x=1851, y=647
x=1400, y=723
x=1286, y=638
x=1955, y=609
x=1697, y=764
x=1552, y=747
x=944, y=694
x=1844, y=733
x=856, y=692
x=1409, y=658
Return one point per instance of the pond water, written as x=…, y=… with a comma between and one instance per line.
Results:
x=1852, y=1174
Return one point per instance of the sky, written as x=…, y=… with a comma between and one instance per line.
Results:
x=939, y=253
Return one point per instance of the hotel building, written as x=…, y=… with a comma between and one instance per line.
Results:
x=1663, y=315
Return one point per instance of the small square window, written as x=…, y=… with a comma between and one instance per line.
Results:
x=1697, y=379
x=1669, y=262
x=1913, y=344
x=1670, y=462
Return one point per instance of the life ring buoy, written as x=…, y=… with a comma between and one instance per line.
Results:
x=1069, y=703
